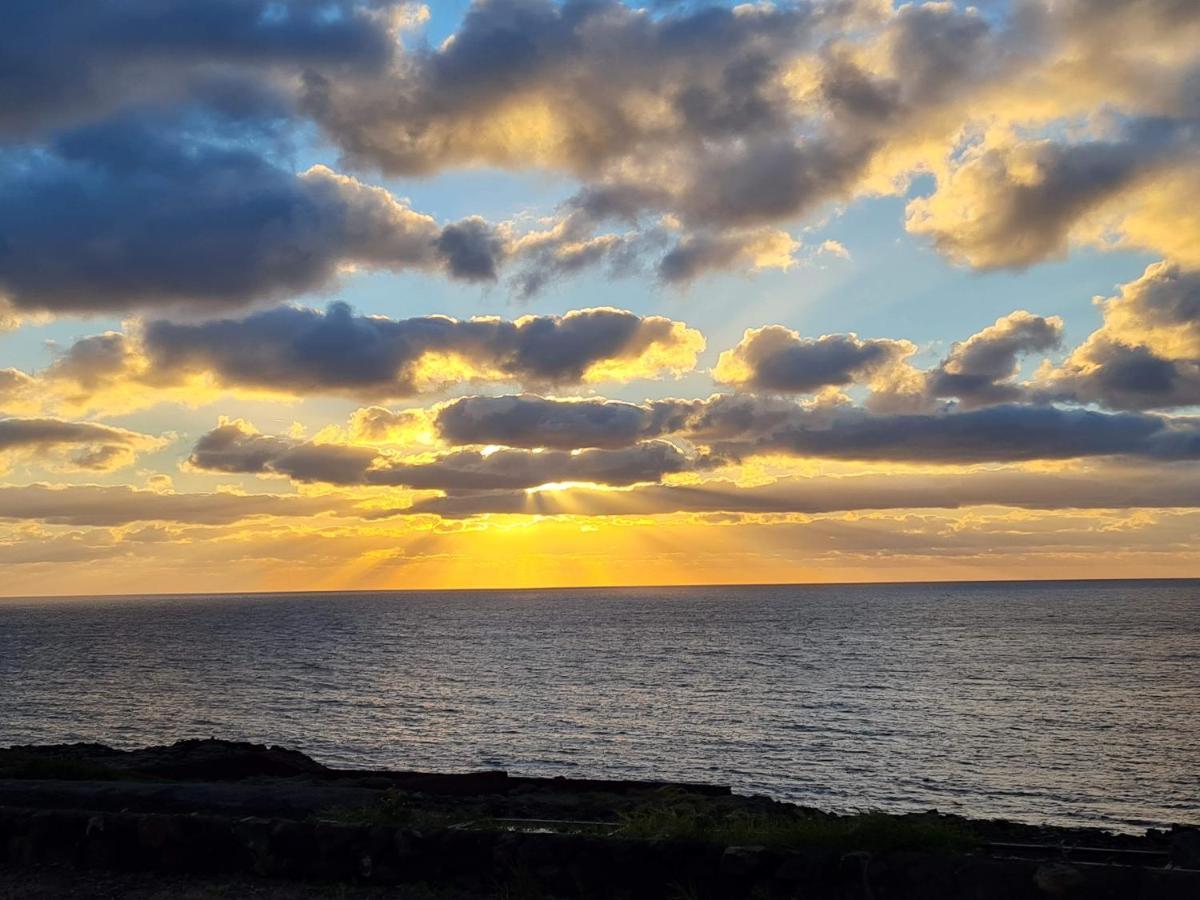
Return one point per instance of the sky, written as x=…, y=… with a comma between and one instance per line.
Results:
x=364, y=294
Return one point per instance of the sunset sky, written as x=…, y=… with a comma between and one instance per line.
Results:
x=359, y=294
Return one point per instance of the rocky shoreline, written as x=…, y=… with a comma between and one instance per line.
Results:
x=278, y=823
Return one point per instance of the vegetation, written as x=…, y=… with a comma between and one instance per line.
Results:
x=691, y=818
x=397, y=809
x=865, y=831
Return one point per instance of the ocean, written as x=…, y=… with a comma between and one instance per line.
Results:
x=1058, y=702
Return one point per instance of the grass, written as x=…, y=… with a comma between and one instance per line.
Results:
x=697, y=819
x=866, y=831
x=397, y=809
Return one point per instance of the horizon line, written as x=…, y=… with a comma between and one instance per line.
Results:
x=590, y=587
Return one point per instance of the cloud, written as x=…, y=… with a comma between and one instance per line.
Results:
x=531, y=421
x=140, y=213
x=1146, y=355
x=744, y=118
x=571, y=85
x=377, y=425
x=15, y=386
x=1161, y=309
x=979, y=371
x=1008, y=433
x=746, y=425
x=110, y=505
x=472, y=249
x=728, y=120
x=1016, y=203
x=570, y=245
x=96, y=447
x=834, y=248
x=1105, y=488
x=1121, y=376
x=508, y=469
x=708, y=131
x=300, y=351
x=235, y=446
x=697, y=254
x=80, y=60
x=774, y=358
x=9, y=320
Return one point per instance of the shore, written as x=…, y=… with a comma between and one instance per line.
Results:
x=223, y=819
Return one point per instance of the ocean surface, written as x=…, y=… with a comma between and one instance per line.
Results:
x=1066, y=702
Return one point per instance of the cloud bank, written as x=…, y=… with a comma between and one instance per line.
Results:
x=301, y=352
x=708, y=133
x=236, y=447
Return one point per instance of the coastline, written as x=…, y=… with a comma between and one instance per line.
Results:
x=218, y=809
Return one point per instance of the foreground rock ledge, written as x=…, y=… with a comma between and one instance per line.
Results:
x=278, y=820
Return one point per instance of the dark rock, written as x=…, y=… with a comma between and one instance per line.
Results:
x=1058, y=879
x=1185, y=848
x=744, y=862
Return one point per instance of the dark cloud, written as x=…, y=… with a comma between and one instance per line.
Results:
x=570, y=247
x=95, y=361
x=683, y=112
x=235, y=447
x=935, y=48
x=1123, y=376
x=48, y=432
x=993, y=434
x=110, y=505
x=473, y=249
x=1147, y=353
x=699, y=253
x=696, y=254
x=727, y=119
x=750, y=425
x=771, y=180
x=305, y=351
x=696, y=125
x=139, y=212
x=691, y=110
x=736, y=418
x=102, y=457
x=778, y=359
x=531, y=421
x=79, y=60
x=1123, y=488
x=580, y=63
x=979, y=370
x=509, y=469
x=98, y=447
